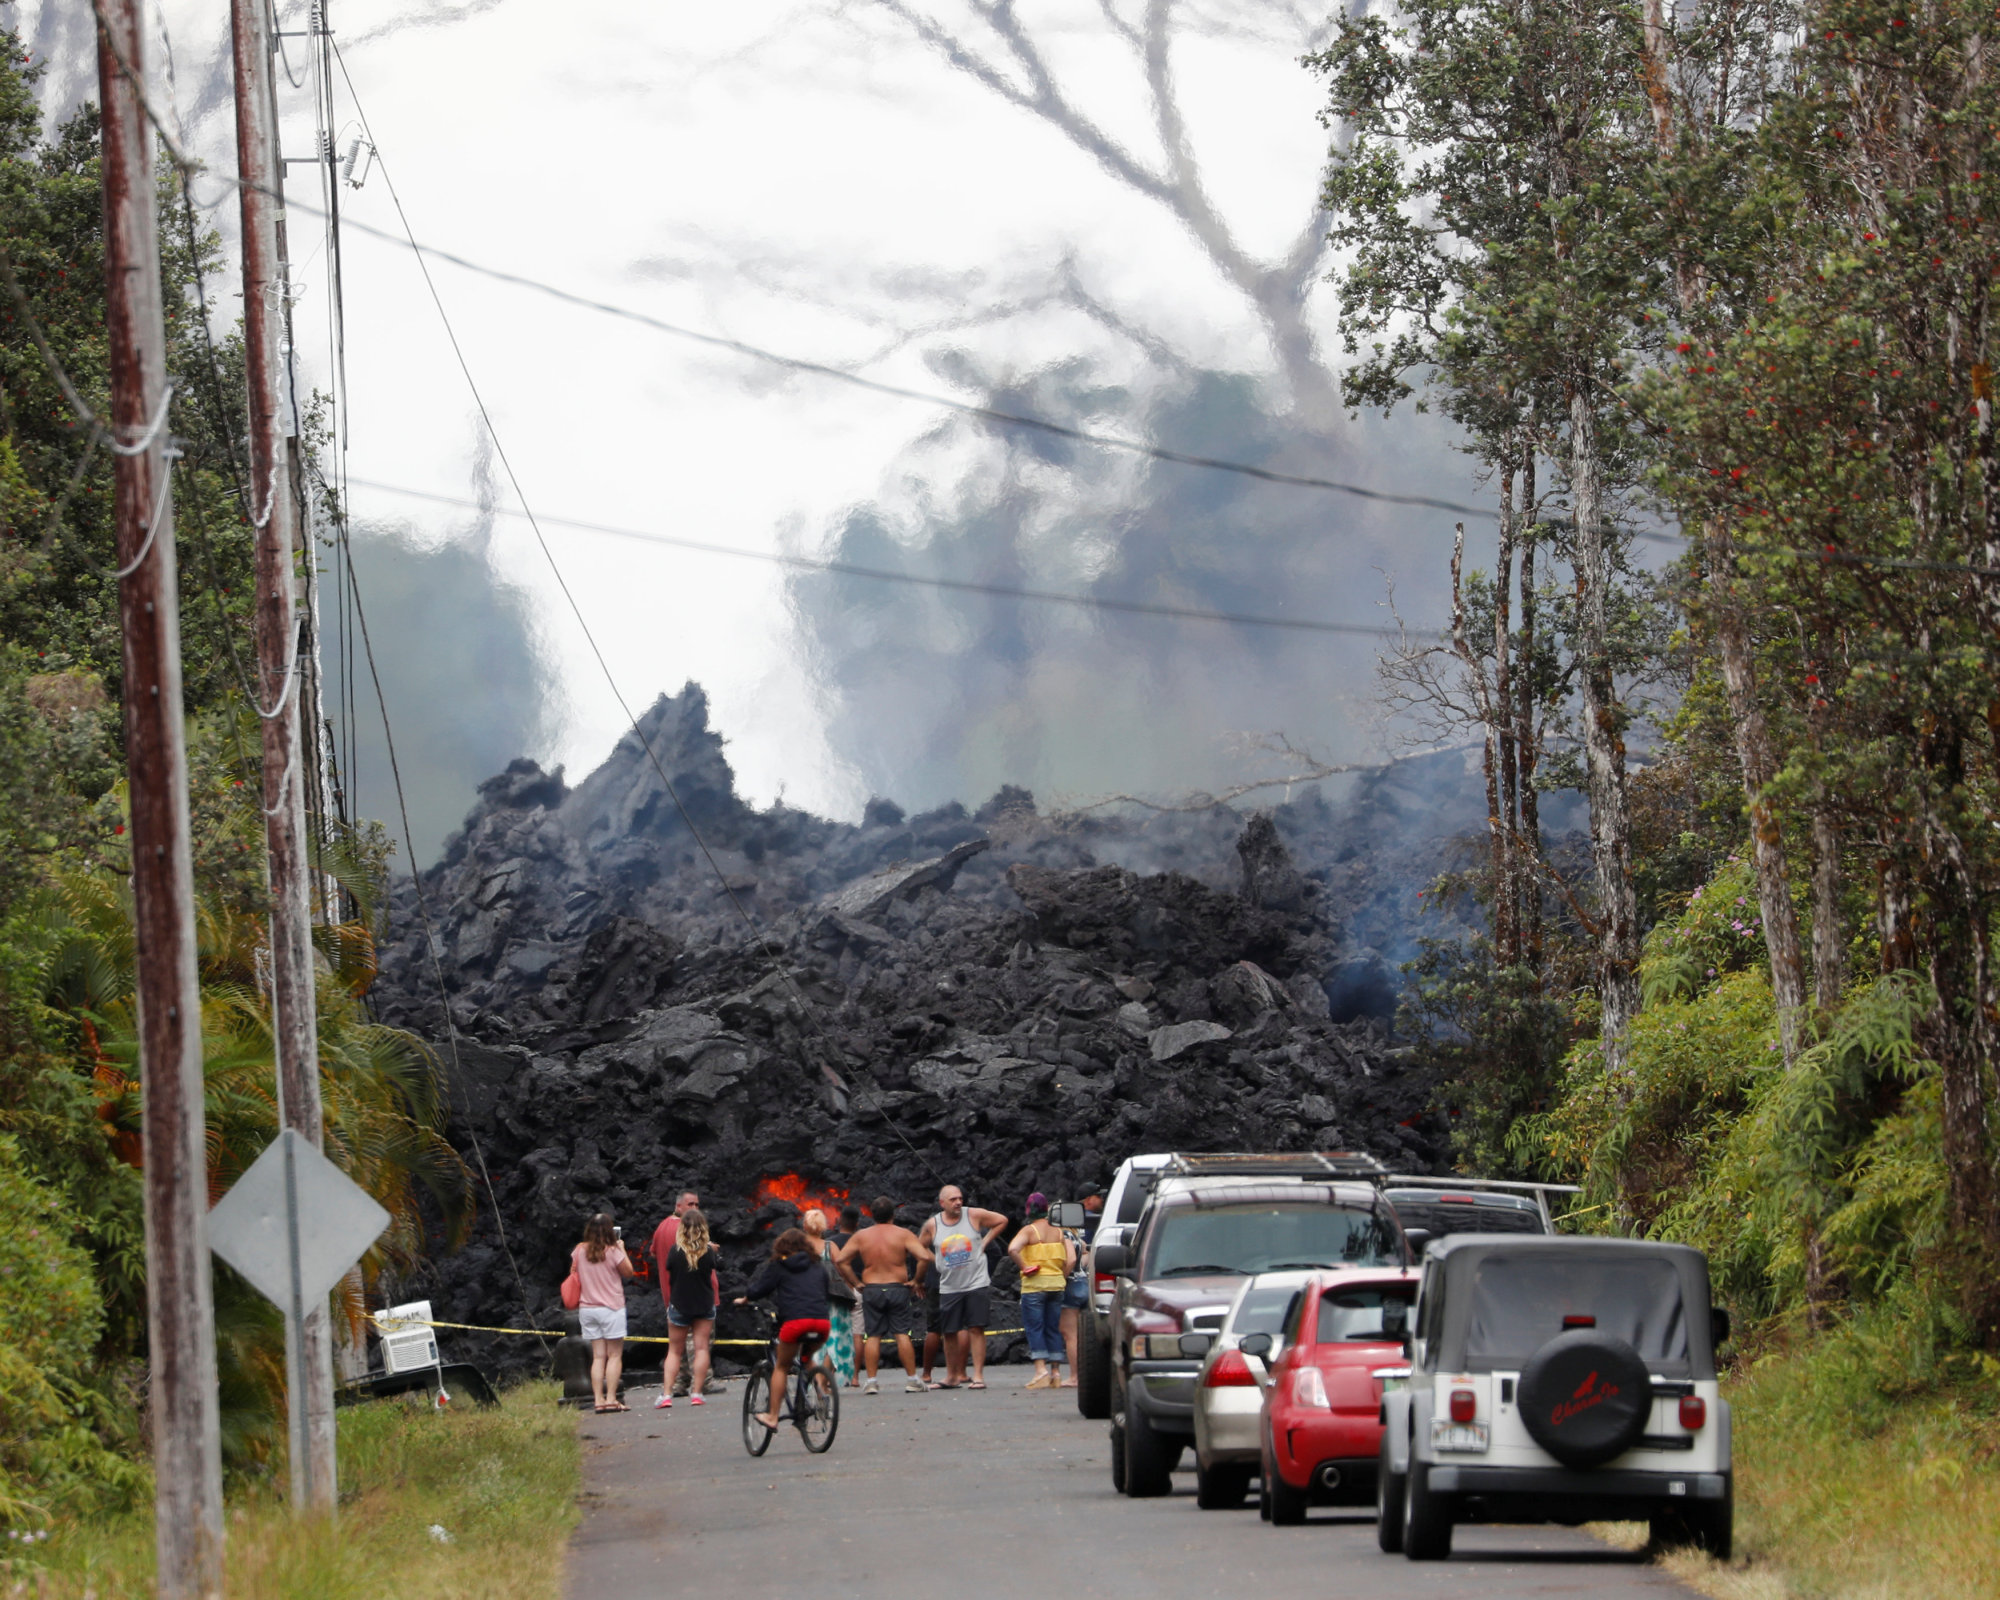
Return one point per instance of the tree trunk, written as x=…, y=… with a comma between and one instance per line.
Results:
x=1960, y=1032
x=1755, y=756
x=1527, y=738
x=1507, y=868
x=1829, y=937
x=1603, y=741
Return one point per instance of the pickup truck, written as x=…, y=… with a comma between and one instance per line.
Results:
x=1195, y=1243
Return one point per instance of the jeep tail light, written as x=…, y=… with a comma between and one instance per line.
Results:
x=1102, y=1283
x=1309, y=1389
x=1578, y=1320
x=1694, y=1412
x=1230, y=1371
x=1464, y=1405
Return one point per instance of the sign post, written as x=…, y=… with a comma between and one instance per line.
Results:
x=293, y=1225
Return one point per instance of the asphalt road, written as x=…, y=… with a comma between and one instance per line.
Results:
x=925, y=1497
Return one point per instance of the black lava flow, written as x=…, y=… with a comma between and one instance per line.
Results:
x=998, y=998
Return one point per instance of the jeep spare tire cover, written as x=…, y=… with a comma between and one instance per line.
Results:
x=1585, y=1397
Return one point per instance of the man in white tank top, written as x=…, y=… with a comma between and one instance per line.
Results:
x=958, y=1236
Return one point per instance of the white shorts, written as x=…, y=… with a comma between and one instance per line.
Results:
x=602, y=1322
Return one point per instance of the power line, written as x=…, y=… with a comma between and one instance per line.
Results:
x=890, y=575
x=806, y=1008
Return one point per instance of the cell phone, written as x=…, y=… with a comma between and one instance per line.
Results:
x=617, y=1232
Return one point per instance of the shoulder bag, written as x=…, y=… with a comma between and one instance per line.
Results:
x=838, y=1290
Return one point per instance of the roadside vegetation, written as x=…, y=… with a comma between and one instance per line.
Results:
x=72, y=1279
x=1708, y=291
x=452, y=1506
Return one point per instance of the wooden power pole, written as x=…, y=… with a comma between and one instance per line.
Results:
x=180, y=1311
x=274, y=508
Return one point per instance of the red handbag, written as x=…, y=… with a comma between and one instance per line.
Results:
x=572, y=1288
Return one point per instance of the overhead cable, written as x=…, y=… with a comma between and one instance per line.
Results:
x=890, y=575
x=806, y=1008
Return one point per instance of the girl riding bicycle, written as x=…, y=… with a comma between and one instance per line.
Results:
x=795, y=1282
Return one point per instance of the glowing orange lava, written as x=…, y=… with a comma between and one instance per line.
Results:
x=794, y=1190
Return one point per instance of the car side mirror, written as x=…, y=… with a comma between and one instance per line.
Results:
x=1067, y=1214
x=1718, y=1326
x=1111, y=1258
x=1418, y=1238
x=1256, y=1344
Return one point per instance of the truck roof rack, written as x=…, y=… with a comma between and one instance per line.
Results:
x=1540, y=1191
x=1275, y=1164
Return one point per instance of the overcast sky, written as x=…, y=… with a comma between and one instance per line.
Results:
x=824, y=180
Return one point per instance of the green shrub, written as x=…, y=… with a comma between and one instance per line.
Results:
x=53, y=1457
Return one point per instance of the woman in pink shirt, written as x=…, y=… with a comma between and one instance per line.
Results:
x=602, y=1268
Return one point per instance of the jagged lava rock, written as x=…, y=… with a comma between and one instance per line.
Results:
x=997, y=999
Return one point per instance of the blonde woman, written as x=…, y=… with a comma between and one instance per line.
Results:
x=602, y=1267
x=841, y=1292
x=690, y=1267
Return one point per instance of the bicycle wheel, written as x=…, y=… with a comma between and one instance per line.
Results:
x=756, y=1398
x=818, y=1411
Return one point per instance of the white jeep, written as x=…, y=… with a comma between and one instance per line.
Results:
x=1558, y=1380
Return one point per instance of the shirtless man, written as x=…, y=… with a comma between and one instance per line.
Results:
x=960, y=1233
x=888, y=1305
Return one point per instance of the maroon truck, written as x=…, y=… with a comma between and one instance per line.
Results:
x=1198, y=1239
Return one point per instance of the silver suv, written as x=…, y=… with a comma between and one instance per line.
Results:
x=1558, y=1380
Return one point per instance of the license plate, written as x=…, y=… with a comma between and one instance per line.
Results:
x=1458, y=1435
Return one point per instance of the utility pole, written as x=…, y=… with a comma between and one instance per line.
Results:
x=180, y=1310
x=274, y=509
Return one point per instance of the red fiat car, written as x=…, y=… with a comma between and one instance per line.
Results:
x=1322, y=1422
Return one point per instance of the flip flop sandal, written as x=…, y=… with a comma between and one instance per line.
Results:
x=977, y=1383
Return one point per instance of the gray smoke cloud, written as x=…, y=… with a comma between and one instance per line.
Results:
x=939, y=694
x=463, y=670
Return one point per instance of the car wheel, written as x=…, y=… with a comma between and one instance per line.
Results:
x=1707, y=1525
x=1282, y=1505
x=1222, y=1486
x=1714, y=1521
x=1149, y=1458
x=1426, y=1516
x=1093, y=1372
x=1388, y=1503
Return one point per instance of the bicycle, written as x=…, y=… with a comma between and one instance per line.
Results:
x=811, y=1406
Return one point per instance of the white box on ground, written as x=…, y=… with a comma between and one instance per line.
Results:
x=409, y=1350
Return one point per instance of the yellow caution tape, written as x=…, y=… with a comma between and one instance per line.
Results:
x=391, y=1325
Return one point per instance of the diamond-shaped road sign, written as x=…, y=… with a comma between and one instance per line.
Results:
x=292, y=1192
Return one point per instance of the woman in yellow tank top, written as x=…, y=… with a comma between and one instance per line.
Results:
x=1046, y=1259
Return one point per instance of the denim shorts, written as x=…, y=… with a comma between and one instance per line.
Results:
x=676, y=1320
x=1076, y=1292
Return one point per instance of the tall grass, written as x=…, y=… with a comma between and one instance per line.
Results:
x=502, y=1484
x=1867, y=1468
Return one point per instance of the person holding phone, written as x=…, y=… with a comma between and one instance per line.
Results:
x=602, y=1266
